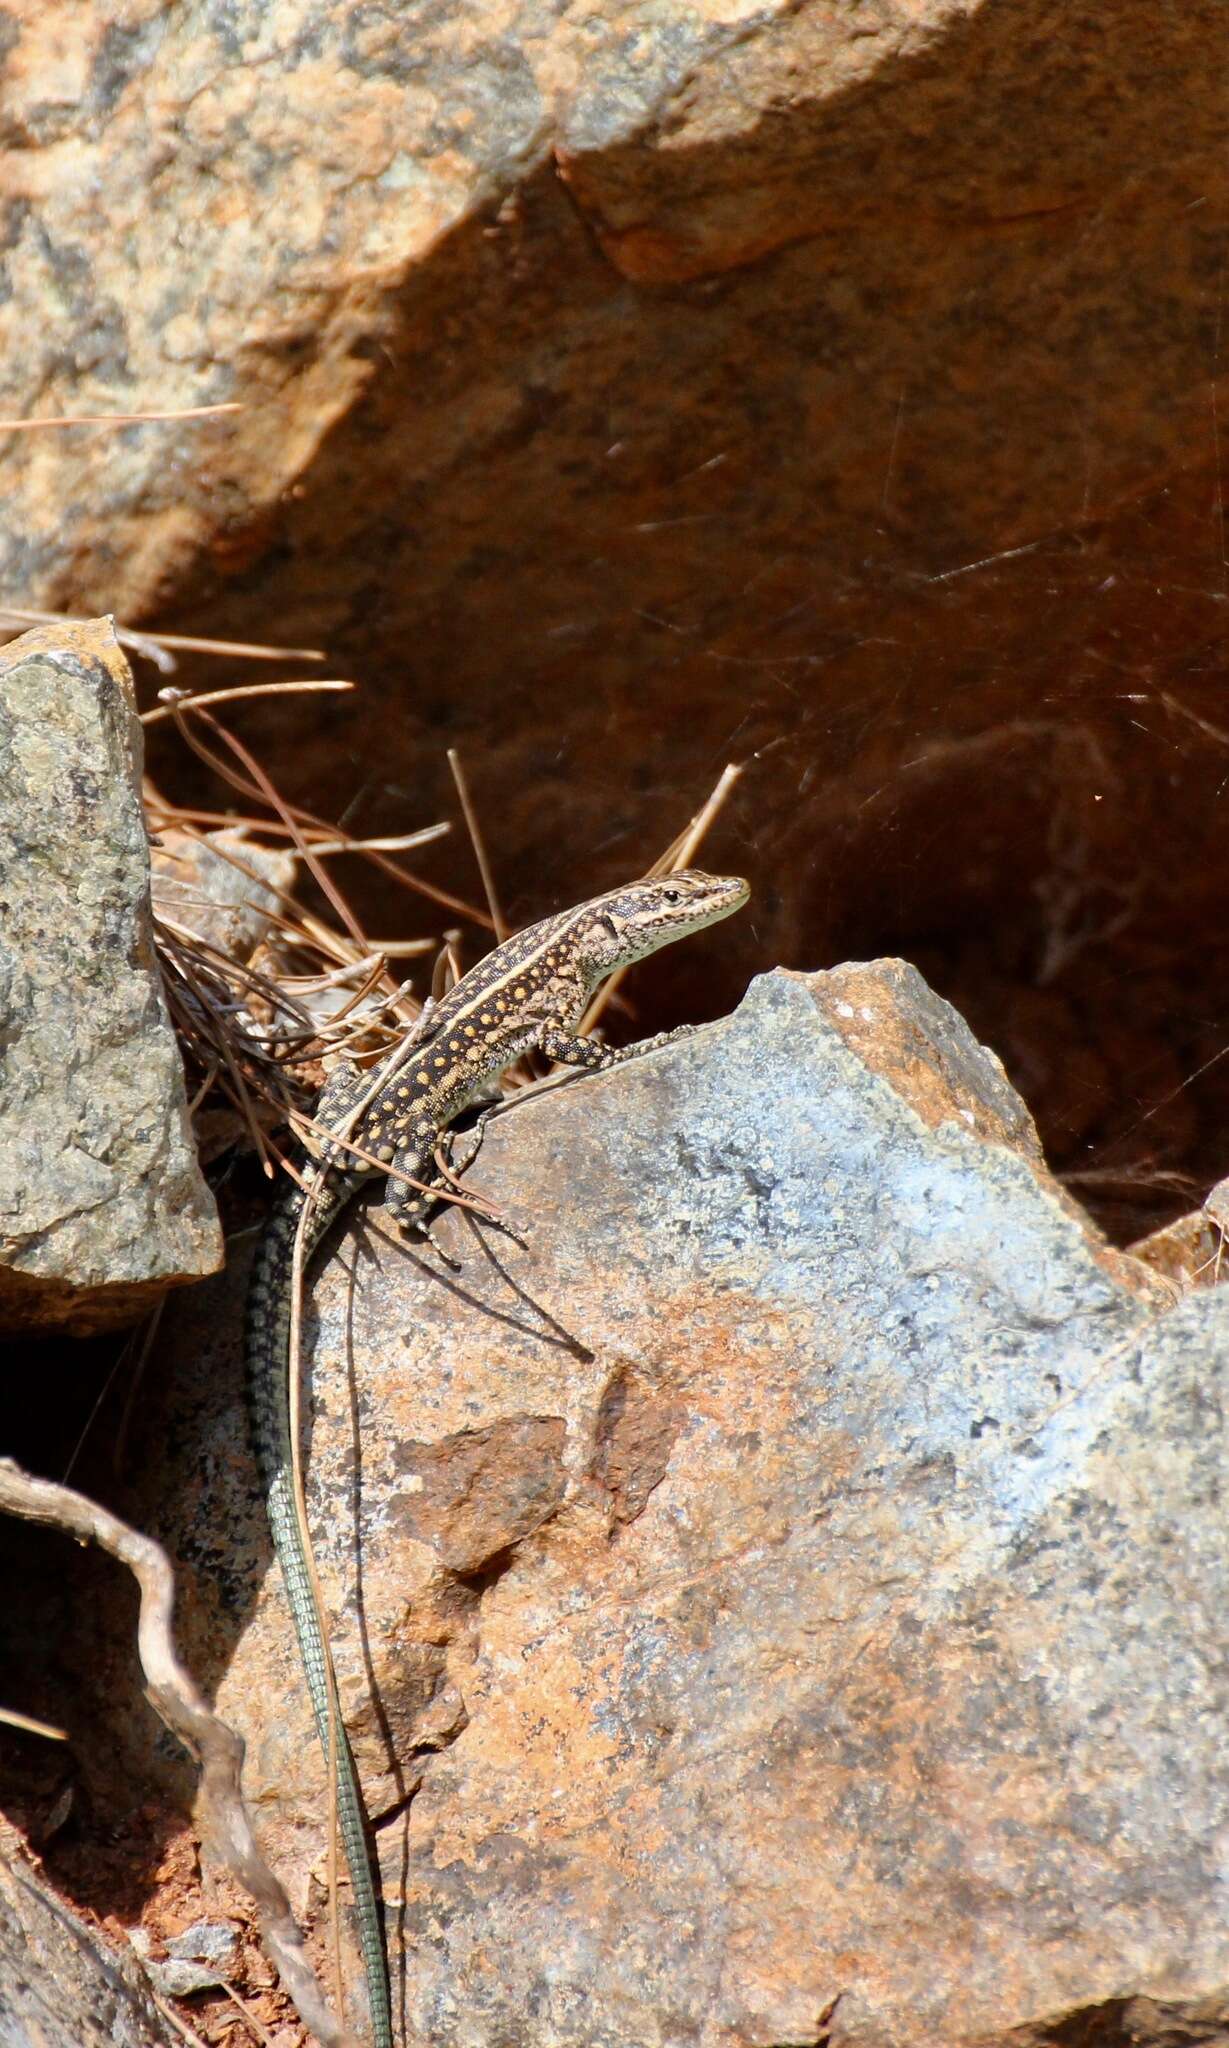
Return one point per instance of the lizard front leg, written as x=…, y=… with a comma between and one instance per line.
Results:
x=575, y=1051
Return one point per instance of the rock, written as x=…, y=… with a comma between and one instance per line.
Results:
x=181, y=1978
x=1190, y=1251
x=199, y=1959
x=830, y=348
x=206, y=1941
x=220, y=887
x=791, y=1586
x=102, y=1204
x=177, y=1975
x=62, y=1986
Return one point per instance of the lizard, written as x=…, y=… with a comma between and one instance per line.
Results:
x=529, y=993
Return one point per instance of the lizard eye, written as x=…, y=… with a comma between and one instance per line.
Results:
x=672, y=895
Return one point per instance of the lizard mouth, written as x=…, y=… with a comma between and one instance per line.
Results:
x=728, y=894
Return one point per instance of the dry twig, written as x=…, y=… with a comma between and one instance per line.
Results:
x=174, y=1696
x=29, y=1726
x=677, y=855
x=119, y=419
x=173, y=700
x=156, y=647
x=470, y=815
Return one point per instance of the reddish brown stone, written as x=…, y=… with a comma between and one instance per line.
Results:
x=788, y=1590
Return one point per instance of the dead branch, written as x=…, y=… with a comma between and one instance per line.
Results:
x=173, y=1694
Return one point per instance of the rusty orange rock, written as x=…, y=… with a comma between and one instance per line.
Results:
x=790, y=1585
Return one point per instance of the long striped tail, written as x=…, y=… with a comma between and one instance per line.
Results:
x=269, y=1306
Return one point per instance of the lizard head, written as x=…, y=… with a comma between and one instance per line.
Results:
x=626, y=924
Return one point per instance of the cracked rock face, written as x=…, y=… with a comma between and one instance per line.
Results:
x=791, y=1586
x=102, y=1203
x=63, y=1986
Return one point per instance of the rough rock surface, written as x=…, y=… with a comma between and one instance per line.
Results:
x=631, y=385
x=220, y=887
x=792, y=1587
x=102, y=1203
x=61, y=1986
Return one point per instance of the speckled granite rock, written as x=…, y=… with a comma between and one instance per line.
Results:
x=61, y=1985
x=220, y=887
x=793, y=1587
x=102, y=1203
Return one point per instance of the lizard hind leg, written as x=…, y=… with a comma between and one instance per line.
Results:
x=402, y=1135
x=465, y=1146
x=409, y=1206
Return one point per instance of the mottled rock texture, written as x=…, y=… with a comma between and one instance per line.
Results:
x=220, y=887
x=632, y=385
x=102, y=1203
x=61, y=1986
x=792, y=1586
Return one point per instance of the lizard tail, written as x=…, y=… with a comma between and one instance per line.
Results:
x=268, y=1356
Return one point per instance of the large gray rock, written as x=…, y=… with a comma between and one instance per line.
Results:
x=102, y=1203
x=61, y=1986
x=794, y=1582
